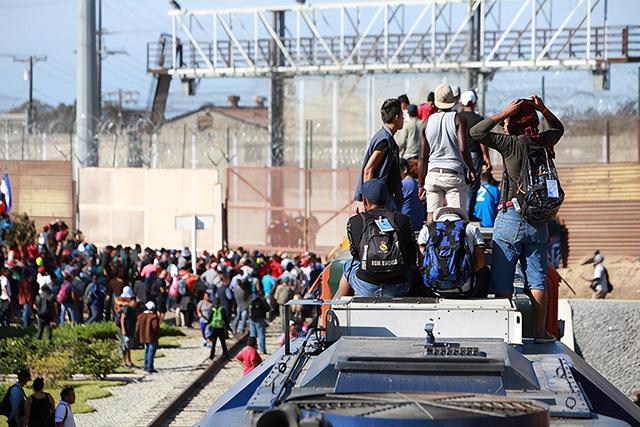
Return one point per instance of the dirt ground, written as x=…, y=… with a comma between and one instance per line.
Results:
x=624, y=273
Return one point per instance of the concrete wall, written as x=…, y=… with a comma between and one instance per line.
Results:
x=44, y=190
x=134, y=205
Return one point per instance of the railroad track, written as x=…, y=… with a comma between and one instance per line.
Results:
x=182, y=402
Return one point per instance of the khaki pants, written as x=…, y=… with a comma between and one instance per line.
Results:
x=443, y=186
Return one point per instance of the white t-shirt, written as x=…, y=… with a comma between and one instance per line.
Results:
x=43, y=280
x=598, y=273
x=6, y=289
x=64, y=409
x=473, y=233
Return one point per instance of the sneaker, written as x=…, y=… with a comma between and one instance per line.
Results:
x=204, y=344
x=545, y=339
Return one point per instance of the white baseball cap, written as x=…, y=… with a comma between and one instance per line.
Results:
x=468, y=96
x=150, y=305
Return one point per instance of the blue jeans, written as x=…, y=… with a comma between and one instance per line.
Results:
x=515, y=239
x=362, y=288
x=476, y=160
x=26, y=314
x=149, y=354
x=63, y=311
x=258, y=329
x=94, y=313
x=241, y=318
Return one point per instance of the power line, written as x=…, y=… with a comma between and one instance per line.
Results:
x=59, y=78
x=126, y=18
x=125, y=4
x=62, y=71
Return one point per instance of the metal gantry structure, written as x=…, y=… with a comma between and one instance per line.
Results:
x=394, y=36
x=474, y=37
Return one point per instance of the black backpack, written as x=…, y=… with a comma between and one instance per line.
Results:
x=538, y=183
x=257, y=309
x=380, y=250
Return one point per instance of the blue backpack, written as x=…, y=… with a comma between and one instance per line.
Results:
x=447, y=269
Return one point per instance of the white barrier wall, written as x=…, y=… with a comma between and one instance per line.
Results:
x=134, y=205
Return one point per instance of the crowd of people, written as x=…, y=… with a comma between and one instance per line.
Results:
x=425, y=162
x=53, y=281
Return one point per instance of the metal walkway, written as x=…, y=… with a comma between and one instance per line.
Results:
x=393, y=36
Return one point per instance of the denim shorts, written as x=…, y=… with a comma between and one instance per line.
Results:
x=515, y=239
x=362, y=288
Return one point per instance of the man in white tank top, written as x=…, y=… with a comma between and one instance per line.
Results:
x=445, y=160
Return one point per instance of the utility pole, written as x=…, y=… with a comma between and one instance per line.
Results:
x=99, y=59
x=86, y=104
x=30, y=61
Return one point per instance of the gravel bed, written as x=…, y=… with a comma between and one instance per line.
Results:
x=230, y=374
x=608, y=334
x=130, y=403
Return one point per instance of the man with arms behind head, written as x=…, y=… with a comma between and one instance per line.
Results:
x=382, y=247
x=515, y=238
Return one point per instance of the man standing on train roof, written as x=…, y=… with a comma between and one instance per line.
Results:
x=514, y=238
x=382, y=246
x=382, y=158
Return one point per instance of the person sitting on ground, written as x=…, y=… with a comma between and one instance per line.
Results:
x=437, y=241
x=382, y=247
x=513, y=236
x=249, y=356
x=39, y=407
x=64, y=415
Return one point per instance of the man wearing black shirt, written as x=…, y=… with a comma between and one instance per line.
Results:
x=364, y=283
x=479, y=153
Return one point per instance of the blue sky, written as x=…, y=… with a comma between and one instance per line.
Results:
x=48, y=27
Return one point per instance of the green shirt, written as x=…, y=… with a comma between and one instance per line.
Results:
x=511, y=150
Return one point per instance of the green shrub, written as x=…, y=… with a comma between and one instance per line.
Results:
x=97, y=358
x=14, y=353
x=93, y=331
x=52, y=367
x=167, y=330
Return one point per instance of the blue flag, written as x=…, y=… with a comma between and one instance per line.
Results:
x=5, y=188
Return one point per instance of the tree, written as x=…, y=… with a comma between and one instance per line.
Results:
x=21, y=233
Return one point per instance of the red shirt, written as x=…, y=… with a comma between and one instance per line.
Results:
x=250, y=359
x=425, y=110
x=276, y=269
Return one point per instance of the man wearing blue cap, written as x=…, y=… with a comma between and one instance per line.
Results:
x=383, y=250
